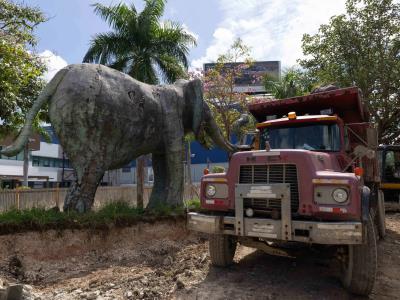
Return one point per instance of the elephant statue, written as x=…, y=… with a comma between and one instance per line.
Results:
x=104, y=119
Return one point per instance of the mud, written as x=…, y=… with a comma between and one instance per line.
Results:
x=164, y=261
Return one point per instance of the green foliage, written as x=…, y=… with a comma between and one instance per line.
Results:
x=362, y=48
x=20, y=69
x=18, y=21
x=218, y=169
x=193, y=204
x=140, y=44
x=118, y=214
x=226, y=104
x=294, y=82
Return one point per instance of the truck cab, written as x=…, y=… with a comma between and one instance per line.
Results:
x=311, y=177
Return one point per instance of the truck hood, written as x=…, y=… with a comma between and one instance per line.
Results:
x=312, y=160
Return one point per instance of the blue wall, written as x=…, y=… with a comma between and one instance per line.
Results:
x=200, y=155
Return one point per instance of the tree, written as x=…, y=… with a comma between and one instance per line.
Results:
x=21, y=70
x=294, y=82
x=225, y=102
x=140, y=45
x=362, y=48
x=143, y=47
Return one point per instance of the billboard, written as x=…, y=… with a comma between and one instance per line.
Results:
x=250, y=80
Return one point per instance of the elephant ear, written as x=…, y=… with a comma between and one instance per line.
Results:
x=196, y=93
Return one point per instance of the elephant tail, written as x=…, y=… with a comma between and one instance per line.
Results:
x=42, y=99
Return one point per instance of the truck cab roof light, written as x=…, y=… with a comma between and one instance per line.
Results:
x=358, y=171
x=292, y=115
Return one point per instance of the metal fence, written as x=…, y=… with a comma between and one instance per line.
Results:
x=49, y=198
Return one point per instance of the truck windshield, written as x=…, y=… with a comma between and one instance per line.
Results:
x=324, y=137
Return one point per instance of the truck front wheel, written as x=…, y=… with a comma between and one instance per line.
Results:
x=222, y=249
x=359, y=263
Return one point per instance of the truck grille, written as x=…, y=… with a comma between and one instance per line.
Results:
x=277, y=173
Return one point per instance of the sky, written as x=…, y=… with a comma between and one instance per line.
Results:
x=272, y=28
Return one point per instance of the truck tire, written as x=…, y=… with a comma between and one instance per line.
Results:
x=380, y=215
x=360, y=264
x=222, y=249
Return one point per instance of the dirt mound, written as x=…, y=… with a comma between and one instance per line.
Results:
x=164, y=261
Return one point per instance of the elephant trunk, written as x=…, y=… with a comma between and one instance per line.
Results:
x=212, y=130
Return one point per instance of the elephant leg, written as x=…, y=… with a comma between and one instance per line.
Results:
x=175, y=177
x=80, y=196
x=159, y=191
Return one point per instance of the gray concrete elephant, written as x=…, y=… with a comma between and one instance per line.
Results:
x=104, y=119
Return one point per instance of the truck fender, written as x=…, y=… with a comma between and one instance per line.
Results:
x=365, y=201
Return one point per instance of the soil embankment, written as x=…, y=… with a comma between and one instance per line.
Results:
x=164, y=261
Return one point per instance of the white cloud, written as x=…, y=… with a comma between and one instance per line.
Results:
x=53, y=62
x=272, y=28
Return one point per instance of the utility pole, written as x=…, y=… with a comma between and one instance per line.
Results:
x=26, y=164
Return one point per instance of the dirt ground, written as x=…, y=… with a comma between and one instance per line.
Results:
x=164, y=261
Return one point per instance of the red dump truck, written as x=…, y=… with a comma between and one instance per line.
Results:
x=311, y=176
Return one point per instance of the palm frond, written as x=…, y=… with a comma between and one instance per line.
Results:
x=105, y=47
x=149, y=18
x=172, y=39
x=142, y=69
x=116, y=16
x=153, y=9
x=170, y=68
x=121, y=63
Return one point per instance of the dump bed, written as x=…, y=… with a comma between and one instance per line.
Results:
x=346, y=103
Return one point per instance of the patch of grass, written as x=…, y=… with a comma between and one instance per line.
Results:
x=193, y=204
x=114, y=214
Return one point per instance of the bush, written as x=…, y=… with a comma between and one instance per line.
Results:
x=218, y=169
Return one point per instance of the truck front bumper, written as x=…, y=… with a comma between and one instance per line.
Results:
x=328, y=233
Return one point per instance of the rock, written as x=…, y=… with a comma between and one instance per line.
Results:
x=19, y=292
x=168, y=261
x=111, y=285
x=203, y=259
x=16, y=267
x=128, y=294
x=92, y=295
x=141, y=295
x=179, y=283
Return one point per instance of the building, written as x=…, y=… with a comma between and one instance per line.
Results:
x=250, y=80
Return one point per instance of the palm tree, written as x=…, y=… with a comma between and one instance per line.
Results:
x=294, y=82
x=143, y=47
x=140, y=44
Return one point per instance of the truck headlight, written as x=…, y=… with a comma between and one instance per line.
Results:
x=210, y=190
x=340, y=195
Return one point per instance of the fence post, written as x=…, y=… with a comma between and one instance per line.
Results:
x=17, y=195
x=57, y=194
